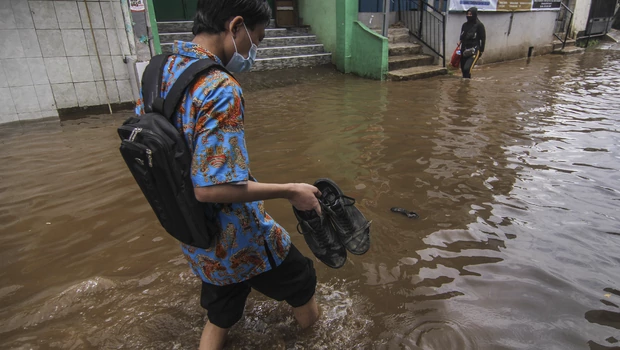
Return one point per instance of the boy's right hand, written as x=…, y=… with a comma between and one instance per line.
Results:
x=304, y=197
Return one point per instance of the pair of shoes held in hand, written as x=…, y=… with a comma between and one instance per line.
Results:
x=340, y=227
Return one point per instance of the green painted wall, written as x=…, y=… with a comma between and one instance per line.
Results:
x=321, y=16
x=369, y=53
x=355, y=48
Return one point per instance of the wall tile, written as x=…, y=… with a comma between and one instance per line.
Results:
x=87, y=94
x=16, y=71
x=49, y=114
x=7, y=19
x=94, y=10
x=125, y=91
x=4, y=82
x=30, y=42
x=29, y=115
x=7, y=107
x=45, y=97
x=21, y=11
x=81, y=70
x=68, y=14
x=64, y=95
x=58, y=70
x=120, y=68
x=118, y=12
x=10, y=44
x=38, y=73
x=8, y=118
x=25, y=99
x=51, y=43
x=43, y=14
x=75, y=43
x=112, y=92
x=101, y=38
x=108, y=15
x=106, y=64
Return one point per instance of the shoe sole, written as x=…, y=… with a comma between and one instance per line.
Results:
x=342, y=254
x=355, y=213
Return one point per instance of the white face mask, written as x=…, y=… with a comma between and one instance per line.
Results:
x=239, y=63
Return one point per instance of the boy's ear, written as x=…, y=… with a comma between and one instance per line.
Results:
x=235, y=24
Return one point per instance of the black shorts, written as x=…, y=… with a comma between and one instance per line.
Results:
x=294, y=281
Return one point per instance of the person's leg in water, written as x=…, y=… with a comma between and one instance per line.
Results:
x=468, y=65
x=214, y=337
x=308, y=314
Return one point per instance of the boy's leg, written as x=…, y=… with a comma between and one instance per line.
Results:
x=213, y=337
x=294, y=281
x=224, y=305
x=307, y=314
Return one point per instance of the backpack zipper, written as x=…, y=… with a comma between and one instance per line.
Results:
x=149, y=154
x=134, y=133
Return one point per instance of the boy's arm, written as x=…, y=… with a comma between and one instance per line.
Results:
x=220, y=166
x=301, y=196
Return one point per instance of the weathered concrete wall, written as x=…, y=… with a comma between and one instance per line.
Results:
x=49, y=60
x=580, y=19
x=374, y=20
x=506, y=42
x=369, y=53
x=321, y=16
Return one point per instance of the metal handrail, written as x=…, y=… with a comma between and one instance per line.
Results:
x=418, y=29
x=570, y=21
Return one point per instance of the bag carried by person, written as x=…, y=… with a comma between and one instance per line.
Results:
x=469, y=52
x=160, y=161
x=455, y=61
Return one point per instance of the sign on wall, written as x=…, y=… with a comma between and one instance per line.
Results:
x=505, y=5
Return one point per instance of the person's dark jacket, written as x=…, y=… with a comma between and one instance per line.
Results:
x=473, y=33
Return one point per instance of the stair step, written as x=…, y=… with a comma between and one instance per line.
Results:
x=171, y=37
x=263, y=64
x=289, y=41
x=270, y=52
x=399, y=38
x=401, y=62
x=416, y=73
x=269, y=33
x=404, y=49
x=568, y=50
x=557, y=45
x=186, y=26
x=393, y=31
x=175, y=27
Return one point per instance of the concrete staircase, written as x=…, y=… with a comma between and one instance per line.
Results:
x=281, y=48
x=568, y=49
x=406, y=59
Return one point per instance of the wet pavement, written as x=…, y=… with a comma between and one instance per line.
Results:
x=515, y=176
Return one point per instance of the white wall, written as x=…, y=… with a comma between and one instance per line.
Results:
x=580, y=19
x=48, y=59
x=374, y=20
x=529, y=29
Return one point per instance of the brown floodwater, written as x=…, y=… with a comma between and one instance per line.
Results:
x=515, y=176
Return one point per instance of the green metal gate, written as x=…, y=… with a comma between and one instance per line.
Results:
x=178, y=10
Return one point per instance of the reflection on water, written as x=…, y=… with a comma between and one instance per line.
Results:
x=514, y=175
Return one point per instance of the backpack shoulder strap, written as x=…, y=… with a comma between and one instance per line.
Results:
x=186, y=79
x=151, y=84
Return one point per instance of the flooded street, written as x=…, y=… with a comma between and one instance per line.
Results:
x=515, y=175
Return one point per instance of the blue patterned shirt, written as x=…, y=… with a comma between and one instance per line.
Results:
x=211, y=117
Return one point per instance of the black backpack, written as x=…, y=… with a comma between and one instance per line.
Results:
x=160, y=160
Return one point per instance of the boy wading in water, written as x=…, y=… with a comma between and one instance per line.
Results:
x=254, y=251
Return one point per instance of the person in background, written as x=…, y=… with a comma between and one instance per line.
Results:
x=472, y=40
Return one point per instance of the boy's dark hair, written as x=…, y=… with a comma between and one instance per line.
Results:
x=211, y=15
